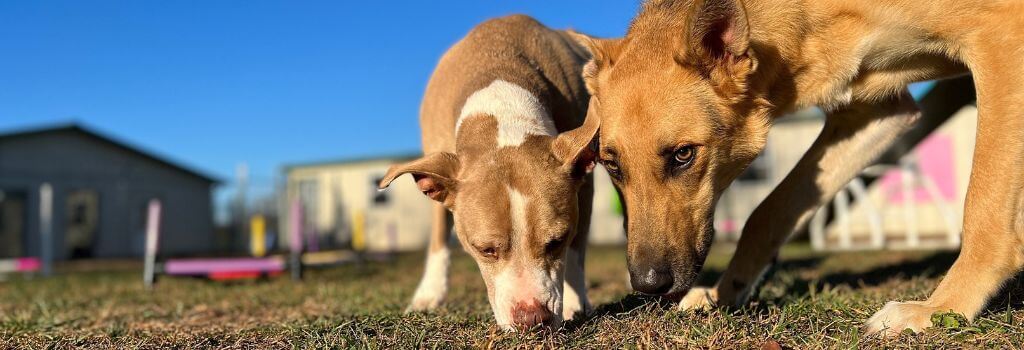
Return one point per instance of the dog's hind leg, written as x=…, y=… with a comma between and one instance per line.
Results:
x=434, y=286
x=993, y=242
x=852, y=138
x=574, y=301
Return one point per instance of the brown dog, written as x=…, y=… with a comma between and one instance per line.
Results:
x=687, y=96
x=518, y=190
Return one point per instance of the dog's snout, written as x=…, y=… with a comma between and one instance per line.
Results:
x=530, y=314
x=651, y=281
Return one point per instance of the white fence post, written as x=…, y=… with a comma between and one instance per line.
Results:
x=46, y=227
x=152, y=241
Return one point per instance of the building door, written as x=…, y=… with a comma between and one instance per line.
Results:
x=82, y=214
x=12, y=224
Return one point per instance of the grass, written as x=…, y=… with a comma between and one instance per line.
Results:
x=808, y=301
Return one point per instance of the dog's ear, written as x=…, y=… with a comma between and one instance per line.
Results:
x=717, y=41
x=575, y=147
x=603, y=53
x=434, y=175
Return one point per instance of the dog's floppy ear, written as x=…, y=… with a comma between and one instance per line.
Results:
x=717, y=41
x=603, y=53
x=574, y=147
x=434, y=175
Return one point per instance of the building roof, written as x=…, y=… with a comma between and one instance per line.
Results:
x=77, y=128
x=354, y=160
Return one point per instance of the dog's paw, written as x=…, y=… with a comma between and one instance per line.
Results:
x=420, y=304
x=575, y=311
x=699, y=298
x=895, y=317
x=426, y=298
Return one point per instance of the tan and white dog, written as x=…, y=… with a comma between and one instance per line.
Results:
x=518, y=189
x=687, y=96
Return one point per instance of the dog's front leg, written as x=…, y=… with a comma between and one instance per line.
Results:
x=993, y=229
x=434, y=285
x=851, y=139
x=575, y=302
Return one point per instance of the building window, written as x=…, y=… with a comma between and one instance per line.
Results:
x=82, y=218
x=379, y=197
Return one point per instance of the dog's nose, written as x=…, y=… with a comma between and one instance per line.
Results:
x=651, y=281
x=531, y=314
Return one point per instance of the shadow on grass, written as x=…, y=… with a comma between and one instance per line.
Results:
x=1010, y=297
x=626, y=305
x=928, y=267
x=935, y=265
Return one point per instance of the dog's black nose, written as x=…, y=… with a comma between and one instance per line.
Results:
x=651, y=281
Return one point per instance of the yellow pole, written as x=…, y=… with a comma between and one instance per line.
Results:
x=258, y=236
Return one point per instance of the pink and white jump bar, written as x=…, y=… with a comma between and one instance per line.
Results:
x=20, y=265
x=215, y=268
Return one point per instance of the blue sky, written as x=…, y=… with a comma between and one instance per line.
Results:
x=213, y=84
x=216, y=83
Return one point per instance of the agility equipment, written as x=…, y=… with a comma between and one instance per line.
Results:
x=27, y=264
x=245, y=267
x=211, y=268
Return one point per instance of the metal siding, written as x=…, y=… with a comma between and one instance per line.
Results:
x=124, y=181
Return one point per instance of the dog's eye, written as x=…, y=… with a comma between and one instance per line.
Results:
x=553, y=245
x=612, y=167
x=489, y=252
x=683, y=157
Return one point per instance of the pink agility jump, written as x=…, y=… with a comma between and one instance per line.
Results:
x=29, y=264
x=202, y=267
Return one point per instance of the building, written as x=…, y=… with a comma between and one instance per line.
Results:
x=100, y=189
x=342, y=208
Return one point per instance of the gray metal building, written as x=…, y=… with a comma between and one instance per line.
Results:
x=101, y=187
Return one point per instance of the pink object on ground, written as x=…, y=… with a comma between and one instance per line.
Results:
x=30, y=264
x=935, y=159
x=212, y=266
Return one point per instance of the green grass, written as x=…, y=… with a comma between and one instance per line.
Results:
x=809, y=301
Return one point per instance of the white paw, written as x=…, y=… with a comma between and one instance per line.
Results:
x=895, y=317
x=568, y=312
x=572, y=311
x=434, y=286
x=699, y=298
x=426, y=298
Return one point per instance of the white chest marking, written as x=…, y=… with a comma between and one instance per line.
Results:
x=518, y=112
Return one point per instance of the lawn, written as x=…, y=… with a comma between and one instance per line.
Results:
x=809, y=301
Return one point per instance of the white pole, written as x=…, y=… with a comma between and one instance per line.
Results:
x=842, y=205
x=818, y=239
x=907, y=174
x=860, y=194
x=152, y=240
x=295, y=238
x=46, y=227
x=952, y=229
